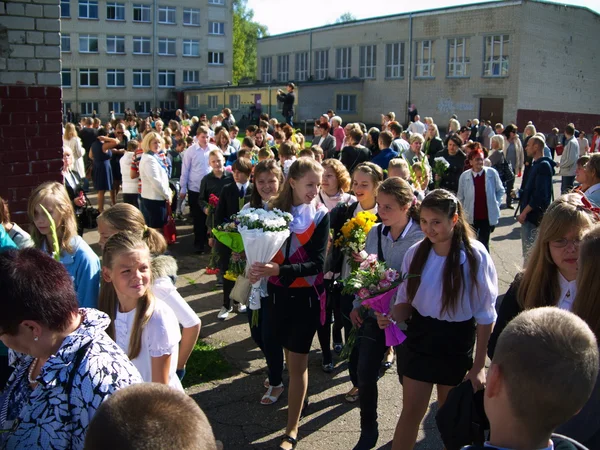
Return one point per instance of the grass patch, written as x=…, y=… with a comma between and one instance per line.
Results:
x=205, y=364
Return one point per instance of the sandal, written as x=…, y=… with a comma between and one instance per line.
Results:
x=352, y=395
x=270, y=397
x=266, y=384
x=289, y=440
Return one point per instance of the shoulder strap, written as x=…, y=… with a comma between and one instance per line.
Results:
x=379, y=249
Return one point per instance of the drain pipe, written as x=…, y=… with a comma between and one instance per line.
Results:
x=409, y=76
x=154, y=53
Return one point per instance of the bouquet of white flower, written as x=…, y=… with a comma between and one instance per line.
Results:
x=440, y=167
x=263, y=233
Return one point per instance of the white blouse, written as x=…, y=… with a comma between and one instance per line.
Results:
x=568, y=290
x=164, y=289
x=475, y=301
x=160, y=337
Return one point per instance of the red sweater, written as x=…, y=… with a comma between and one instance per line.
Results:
x=480, y=211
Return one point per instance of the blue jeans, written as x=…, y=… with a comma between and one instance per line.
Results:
x=528, y=234
x=566, y=184
x=265, y=338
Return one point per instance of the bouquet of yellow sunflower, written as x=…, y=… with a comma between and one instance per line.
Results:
x=353, y=235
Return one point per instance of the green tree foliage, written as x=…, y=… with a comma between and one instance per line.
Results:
x=245, y=34
x=346, y=17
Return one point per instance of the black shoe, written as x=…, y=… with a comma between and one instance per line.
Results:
x=510, y=207
x=199, y=251
x=368, y=440
x=289, y=440
x=327, y=367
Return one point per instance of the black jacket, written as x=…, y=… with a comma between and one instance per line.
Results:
x=88, y=137
x=452, y=175
x=229, y=202
x=352, y=156
x=213, y=185
x=432, y=148
x=288, y=100
x=328, y=146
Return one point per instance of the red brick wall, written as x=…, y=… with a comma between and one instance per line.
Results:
x=30, y=143
x=544, y=121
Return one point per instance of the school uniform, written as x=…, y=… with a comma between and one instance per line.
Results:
x=439, y=344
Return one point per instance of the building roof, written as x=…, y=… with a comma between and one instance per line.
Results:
x=446, y=9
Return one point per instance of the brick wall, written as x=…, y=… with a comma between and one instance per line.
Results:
x=30, y=100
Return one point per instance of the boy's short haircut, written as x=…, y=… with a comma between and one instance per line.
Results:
x=288, y=149
x=548, y=359
x=317, y=150
x=265, y=153
x=218, y=129
x=251, y=129
x=279, y=135
x=234, y=128
x=263, y=124
x=241, y=153
x=216, y=152
x=248, y=142
x=243, y=165
x=306, y=153
x=149, y=416
x=570, y=130
x=417, y=166
x=132, y=145
x=395, y=128
x=189, y=140
x=398, y=162
x=202, y=130
x=386, y=138
x=356, y=134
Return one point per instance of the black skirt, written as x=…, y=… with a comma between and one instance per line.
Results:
x=438, y=351
x=296, y=316
x=155, y=212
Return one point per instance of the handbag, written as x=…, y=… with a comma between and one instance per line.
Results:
x=169, y=228
x=241, y=290
x=88, y=217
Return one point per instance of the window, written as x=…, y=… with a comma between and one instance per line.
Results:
x=191, y=47
x=115, y=78
x=115, y=44
x=141, y=13
x=283, y=68
x=367, y=61
x=216, y=28
x=301, y=66
x=89, y=108
x=142, y=107
x=458, y=61
x=166, y=78
x=266, y=66
x=191, y=76
x=191, y=17
x=394, y=60
x=88, y=43
x=234, y=102
x=346, y=103
x=216, y=58
x=424, y=62
x=167, y=104
x=65, y=9
x=193, y=101
x=141, y=45
x=65, y=43
x=343, y=62
x=213, y=101
x=321, y=64
x=116, y=107
x=88, y=77
x=166, y=14
x=115, y=11
x=166, y=46
x=66, y=78
x=88, y=9
x=216, y=2
x=141, y=78
x=495, y=58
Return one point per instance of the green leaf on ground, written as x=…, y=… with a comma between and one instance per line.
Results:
x=205, y=364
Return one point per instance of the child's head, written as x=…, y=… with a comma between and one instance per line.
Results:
x=335, y=177
x=126, y=217
x=306, y=153
x=169, y=419
x=278, y=137
x=263, y=125
x=133, y=145
x=586, y=303
x=544, y=369
x=233, y=131
x=54, y=197
x=385, y=140
x=268, y=179
x=265, y=153
x=287, y=151
x=247, y=143
x=396, y=202
x=288, y=131
x=301, y=185
x=251, y=130
x=216, y=160
x=366, y=178
x=241, y=168
x=417, y=169
x=317, y=153
x=300, y=140
x=398, y=167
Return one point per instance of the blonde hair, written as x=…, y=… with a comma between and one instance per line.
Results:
x=108, y=302
x=66, y=229
x=216, y=152
x=531, y=129
x=454, y=125
x=70, y=132
x=498, y=139
x=429, y=121
x=372, y=170
x=148, y=138
x=126, y=217
x=298, y=169
x=416, y=137
x=586, y=303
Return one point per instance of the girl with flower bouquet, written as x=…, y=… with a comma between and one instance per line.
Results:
x=295, y=280
x=365, y=180
x=387, y=243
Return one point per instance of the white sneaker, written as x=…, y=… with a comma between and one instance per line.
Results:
x=224, y=313
x=241, y=308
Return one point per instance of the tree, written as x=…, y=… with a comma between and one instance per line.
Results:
x=246, y=32
x=346, y=17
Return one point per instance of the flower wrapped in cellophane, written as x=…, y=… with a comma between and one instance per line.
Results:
x=227, y=234
x=353, y=235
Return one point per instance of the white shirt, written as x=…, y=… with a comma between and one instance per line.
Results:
x=77, y=151
x=478, y=302
x=130, y=186
x=164, y=289
x=417, y=127
x=155, y=181
x=160, y=337
x=568, y=290
x=194, y=167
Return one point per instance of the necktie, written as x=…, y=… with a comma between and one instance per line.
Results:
x=242, y=192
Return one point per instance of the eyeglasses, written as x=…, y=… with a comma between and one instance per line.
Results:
x=562, y=243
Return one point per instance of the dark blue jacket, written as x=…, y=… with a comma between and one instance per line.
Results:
x=384, y=157
x=538, y=190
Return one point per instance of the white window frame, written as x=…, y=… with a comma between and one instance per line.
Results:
x=343, y=63
x=118, y=8
x=86, y=41
x=89, y=73
x=283, y=68
x=166, y=105
x=266, y=69
x=216, y=28
x=64, y=72
x=496, y=65
x=115, y=74
x=367, y=61
x=458, y=61
x=193, y=102
x=169, y=44
x=142, y=41
x=191, y=76
x=219, y=61
x=145, y=106
x=112, y=45
x=216, y=2
x=343, y=103
x=145, y=12
x=301, y=66
x=116, y=107
x=394, y=60
x=65, y=43
x=90, y=6
x=321, y=64
x=234, y=102
x=142, y=74
x=424, y=68
x=213, y=102
x=193, y=16
x=65, y=13
x=165, y=77
x=167, y=15
x=89, y=109
x=191, y=48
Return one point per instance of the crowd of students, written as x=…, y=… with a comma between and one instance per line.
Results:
x=432, y=223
